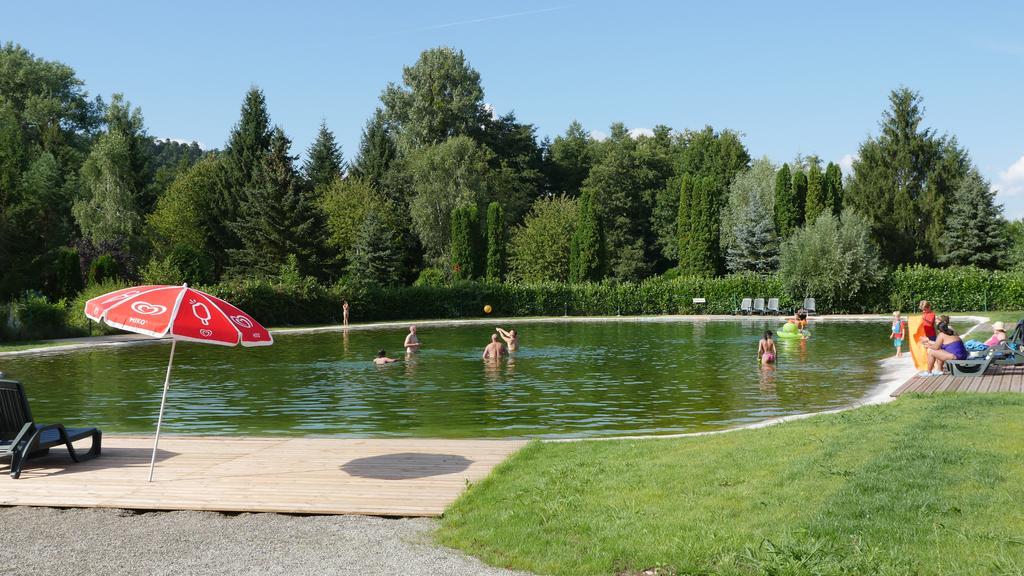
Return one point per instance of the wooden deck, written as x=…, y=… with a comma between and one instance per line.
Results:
x=385, y=477
x=996, y=379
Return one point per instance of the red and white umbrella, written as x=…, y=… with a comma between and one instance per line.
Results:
x=182, y=313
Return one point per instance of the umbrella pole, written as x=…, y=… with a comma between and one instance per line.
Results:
x=163, y=400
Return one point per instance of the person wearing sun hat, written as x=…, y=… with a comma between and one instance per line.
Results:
x=998, y=334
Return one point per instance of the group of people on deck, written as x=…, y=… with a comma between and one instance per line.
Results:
x=493, y=351
x=941, y=342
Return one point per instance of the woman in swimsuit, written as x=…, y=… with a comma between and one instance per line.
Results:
x=766, y=349
x=947, y=346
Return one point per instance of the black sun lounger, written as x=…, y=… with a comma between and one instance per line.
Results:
x=970, y=367
x=21, y=438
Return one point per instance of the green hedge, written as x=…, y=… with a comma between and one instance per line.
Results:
x=956, y=288
x=277, y=303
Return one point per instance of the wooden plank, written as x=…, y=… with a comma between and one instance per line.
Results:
x=391, y=477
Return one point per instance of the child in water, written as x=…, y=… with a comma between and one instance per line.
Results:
x=898, y=333
x=766, y=349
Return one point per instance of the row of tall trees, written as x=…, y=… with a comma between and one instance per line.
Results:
x=442, y=183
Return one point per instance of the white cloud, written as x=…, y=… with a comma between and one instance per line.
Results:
x=638, y=132
x=599, y=135
x=1010, y=188
x=846, y=164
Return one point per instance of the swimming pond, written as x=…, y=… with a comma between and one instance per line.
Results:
x=569, y=379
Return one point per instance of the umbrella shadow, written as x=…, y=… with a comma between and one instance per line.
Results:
x=406, y=466
x=58, y=463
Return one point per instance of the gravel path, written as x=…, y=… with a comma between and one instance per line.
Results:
x=103, y=541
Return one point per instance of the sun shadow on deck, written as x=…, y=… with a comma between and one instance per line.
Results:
x=58, y=463
x=406, y=466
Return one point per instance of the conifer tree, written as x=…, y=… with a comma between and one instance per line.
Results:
x=800, y=196
x=496, y=241
x=833, y=184
x=249, y=142
x=785, y=204
x=465, y=227
x=975, y=232
x=755, y=247
x=902, y=179
x=325, y=162
x=378, y=254
x=277, y=218
x=587, y=248
x=697, y=256
x=683, y=221
x=376, y=151
x=816, y=201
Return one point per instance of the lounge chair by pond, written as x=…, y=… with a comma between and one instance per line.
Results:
x=21, y=438
x=971, y=367
x=810, y=306
x=758, y=305
x=773, y=306
x=745, y=306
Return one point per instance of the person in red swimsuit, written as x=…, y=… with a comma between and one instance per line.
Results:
x=927, y=319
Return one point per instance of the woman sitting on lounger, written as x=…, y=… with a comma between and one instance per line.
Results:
x=947, y=346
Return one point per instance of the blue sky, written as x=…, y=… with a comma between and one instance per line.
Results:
x=796, y=77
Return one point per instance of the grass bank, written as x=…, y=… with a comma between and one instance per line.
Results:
x=923, y=485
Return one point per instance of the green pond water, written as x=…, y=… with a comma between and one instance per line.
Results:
x=570, y=379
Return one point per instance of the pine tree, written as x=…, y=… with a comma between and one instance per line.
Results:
x=587, y=248
x=376, y=151
x=902, y=179
x=816, y=202
x=800, y=196
x=378, y=253
x=496, y=241
x=249, y=142
x=277, y=218
x=754, y=247
x=833, y=185
x=325, y=162
x=975, y=227
x=785, y=204
x=697, y=256
x=465, y=227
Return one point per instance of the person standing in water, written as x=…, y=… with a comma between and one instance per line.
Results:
x=766, y=349
x=494, y=350
x=898, y=333
x=344, y=313
x=412, y=343
x=511, y=338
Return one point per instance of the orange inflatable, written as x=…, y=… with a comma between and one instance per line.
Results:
x=916, y=330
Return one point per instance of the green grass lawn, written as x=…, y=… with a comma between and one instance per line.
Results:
x=923, y=485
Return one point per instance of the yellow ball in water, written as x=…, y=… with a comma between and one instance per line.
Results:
x=487, y=309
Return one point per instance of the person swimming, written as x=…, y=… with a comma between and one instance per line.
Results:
x=510, y=337
x=382, y=358
x=766, y=349
x=495, y=349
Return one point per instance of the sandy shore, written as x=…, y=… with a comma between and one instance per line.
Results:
x=38, y=541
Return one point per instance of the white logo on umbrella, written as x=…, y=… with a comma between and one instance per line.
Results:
x=206, y=333
x=200, y=311
x=124, y=296
x=147, y=309
x=241, y=321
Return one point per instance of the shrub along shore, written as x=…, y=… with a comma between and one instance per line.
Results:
x=293, y=300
